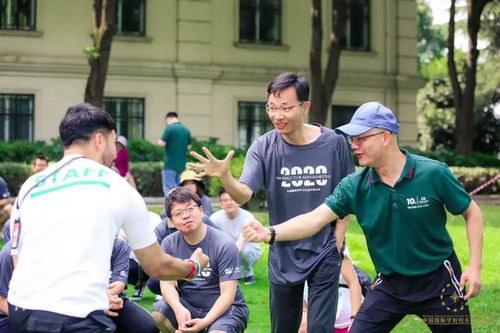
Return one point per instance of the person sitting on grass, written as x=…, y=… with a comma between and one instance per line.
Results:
x=5, y=202
x=127, y=315
x=189, y=180
x=230, y=220
x=212, y=300
x=162, y=230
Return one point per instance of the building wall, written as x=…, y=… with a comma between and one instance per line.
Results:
x=191, y=62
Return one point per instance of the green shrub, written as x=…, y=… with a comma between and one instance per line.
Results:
x=15, y=175
x=141, y=150
x=147, y=177
x=451, y=158
x=24, y=151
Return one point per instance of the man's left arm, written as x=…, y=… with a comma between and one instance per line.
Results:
x=474, y=225
x=223, y=302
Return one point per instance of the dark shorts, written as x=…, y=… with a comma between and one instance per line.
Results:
x=4, y=324
x=234, y=320
x=435, y=297
x=133, y=318
x=37, y=321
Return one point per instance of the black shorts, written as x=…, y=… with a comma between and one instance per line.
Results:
x=435, y=297
x=37, y=321
x=234, y=320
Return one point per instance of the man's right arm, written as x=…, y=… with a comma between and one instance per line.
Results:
x=299, y=227
x=162, y=266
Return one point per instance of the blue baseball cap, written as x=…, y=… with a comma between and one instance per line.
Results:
x=370, y=115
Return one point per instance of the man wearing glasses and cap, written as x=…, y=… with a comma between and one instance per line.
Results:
x=400, y=201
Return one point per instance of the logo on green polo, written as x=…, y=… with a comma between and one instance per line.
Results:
x=417, y=202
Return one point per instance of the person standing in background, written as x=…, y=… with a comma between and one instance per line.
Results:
x=176, y=139
x=122, y=161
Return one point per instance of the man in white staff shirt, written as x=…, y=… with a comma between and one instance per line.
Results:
x=65, y=221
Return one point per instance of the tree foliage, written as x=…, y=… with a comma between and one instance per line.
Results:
x=436, y=102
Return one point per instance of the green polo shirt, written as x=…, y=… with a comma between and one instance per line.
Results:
x=177, y=137
x=404, y=225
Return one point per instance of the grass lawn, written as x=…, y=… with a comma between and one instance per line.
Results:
x=485, y=308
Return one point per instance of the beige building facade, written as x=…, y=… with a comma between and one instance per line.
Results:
x=208, y=60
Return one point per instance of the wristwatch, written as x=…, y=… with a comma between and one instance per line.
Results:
x=273, y=235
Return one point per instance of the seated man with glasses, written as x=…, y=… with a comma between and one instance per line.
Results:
x=230, y=220
x=212, y=299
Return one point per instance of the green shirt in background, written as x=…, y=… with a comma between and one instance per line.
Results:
x=404, y=225
x=177, y=137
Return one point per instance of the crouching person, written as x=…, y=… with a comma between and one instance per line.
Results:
x=211, y=300
x=128, y=316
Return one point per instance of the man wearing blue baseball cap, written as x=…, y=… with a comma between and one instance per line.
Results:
x=400, y=201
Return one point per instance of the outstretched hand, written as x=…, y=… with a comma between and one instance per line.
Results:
x=254, y=232
x=209, y=165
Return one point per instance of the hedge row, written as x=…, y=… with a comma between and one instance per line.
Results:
x=148, y=177
x=141, y=150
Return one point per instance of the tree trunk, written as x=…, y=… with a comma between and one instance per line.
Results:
x=103, y=30
x=464, y=101
x=322, y=89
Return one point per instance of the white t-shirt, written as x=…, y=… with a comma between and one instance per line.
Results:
x=232, y=227
x=68, y=226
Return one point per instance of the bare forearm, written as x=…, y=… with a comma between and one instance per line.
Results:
x=474, y=226
x=220, y=306
x=170, y=294
x=238, y=191
x=3, y=305
x=340, y=230
x=162, y=266
x=305, y=225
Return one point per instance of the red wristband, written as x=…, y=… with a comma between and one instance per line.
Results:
x=193, y=271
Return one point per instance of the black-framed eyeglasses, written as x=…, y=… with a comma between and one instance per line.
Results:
x=180, y=213
x=284, y=109
x=358, y=140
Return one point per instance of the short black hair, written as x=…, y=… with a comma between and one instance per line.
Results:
x=40, y=157
x=172, y=115
x=81, y=121
x=222, y=191
x=179, y=194
x=287, y=80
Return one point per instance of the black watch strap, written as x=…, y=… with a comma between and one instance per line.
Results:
x=273, y=235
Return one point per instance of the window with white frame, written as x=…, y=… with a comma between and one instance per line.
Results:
x=16, y=116
x=357, y=34
x=128, y=114
x=17, y=14
x=130, y=17
x=260, y=22
x=252, y=122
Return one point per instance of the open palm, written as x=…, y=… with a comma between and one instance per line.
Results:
x=209, y=165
